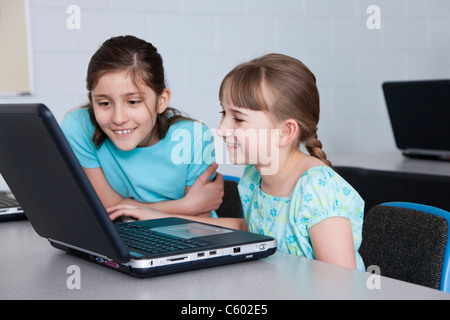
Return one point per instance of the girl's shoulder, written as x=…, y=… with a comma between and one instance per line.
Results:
x=321, y=181
x=78, y=120
x=319, y=172
x=196, y=133
x=189, y=125
x=81, y=113
x=322, y=177
x=322, y=186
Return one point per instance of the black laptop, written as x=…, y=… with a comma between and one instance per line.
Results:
x=420, y=117
x=43, y=173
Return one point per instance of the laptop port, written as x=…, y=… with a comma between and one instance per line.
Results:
x=177, y=259
x=212, y=253
x=200, y=255
x=112, y=264
x=237, y=250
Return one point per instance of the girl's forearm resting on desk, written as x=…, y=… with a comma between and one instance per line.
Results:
x=143, y=213
x=170, y=207
x=203, y=196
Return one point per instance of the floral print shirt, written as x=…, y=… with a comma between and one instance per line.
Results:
x=320, y=193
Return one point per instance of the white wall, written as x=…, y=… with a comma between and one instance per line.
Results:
x=201, y=40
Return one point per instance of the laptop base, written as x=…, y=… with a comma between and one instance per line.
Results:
x=168, y=269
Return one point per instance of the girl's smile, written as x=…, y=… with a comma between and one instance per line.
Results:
x=231, y=146
x=124, y=132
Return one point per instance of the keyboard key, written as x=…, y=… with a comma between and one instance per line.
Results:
x=139, y=237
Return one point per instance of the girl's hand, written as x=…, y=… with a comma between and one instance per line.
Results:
x=205, y=195
x=140, y=213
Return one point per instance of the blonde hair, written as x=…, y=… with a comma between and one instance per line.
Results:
x=283, y=87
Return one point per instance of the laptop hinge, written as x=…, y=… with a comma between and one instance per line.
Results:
x=65, y=245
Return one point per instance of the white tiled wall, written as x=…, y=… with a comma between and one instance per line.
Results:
x=201, y=40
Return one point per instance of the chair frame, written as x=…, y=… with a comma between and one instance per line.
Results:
x=231, y=178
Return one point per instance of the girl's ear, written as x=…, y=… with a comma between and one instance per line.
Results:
x=289, y=131
x=163, y=100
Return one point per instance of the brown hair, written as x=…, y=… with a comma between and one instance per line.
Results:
x=285, y=88
x=144, y=64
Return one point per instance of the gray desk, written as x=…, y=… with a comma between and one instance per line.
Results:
x=32, y=269
x=392, y=161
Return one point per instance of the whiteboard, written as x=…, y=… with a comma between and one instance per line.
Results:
x=15, y=49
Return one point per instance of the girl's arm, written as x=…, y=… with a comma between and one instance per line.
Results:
x=108, y=196
x=143, y=213
x=332, y=241
x=203, y=196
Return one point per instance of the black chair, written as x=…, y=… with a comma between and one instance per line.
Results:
x=408, y=244
x=231, y=206
x=376, y=186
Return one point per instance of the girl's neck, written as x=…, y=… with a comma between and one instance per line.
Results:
x=282, y=182
x=150, y=140
x=291, y=167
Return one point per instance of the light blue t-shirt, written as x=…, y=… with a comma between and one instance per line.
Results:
x=150, y=174
x=320, y=193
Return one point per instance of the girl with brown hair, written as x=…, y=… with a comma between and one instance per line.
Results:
x=126, y=135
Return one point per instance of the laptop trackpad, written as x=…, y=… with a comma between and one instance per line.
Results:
x=191, y=230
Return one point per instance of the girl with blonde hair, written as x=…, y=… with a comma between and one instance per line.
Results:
x=270, y=110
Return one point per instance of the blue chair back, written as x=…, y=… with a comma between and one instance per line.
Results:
x=445, y=277
x=231, y=178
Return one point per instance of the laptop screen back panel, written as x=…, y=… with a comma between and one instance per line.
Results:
x=43, y=173
x=420, y=114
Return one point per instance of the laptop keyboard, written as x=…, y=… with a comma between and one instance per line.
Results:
x=146, y=240
x=6, y=201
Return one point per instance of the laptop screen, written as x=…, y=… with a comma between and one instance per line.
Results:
x=420, y=115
